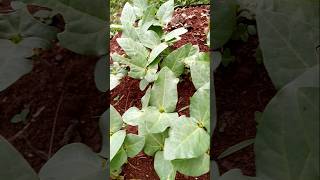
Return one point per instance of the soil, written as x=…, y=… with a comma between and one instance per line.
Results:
x=128, y=94
x=63, y=101
x=242, y=89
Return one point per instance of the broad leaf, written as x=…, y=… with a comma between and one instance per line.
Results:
x=135, y=50
x=157, y=122
x=133, y=144
x=165, y=12
x=186, y=140
x=128, y=15
x=175, y=59
x=175, y=34
x=12, y=162
x=143, y=84
x=146, y=98
x=289, y=36
x=132, y=116
x=156, y=51
x=74, y=161
x=200, y=70
x=85, y=24
x=154, y=143
x=164, y=94
x=193, y=167
x=236, y=174
x=224, y=18
x=288, y=132
x=119, y=159
x=200, y=106
x=100, y=75
x=164, y=168
x=116, y=141
x=149, y=39
x=115, y=120
x=104, y=128
x=137, y=69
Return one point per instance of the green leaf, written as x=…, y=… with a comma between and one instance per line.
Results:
x=143, y=84
x=154, y=143
x=288, y=36
x=200, y=106
x=164, y=168
x=156, y=51
x=133, y=144
x=175, y=34
x=148, y=19
x=85, y=24
x=165, y=12
x=186, y=140
x=236, y=147
x=288, y=132
x=21, y=117
x=132, y=116
x=135, y=50
x=164, y=94
x=146, y=98
x=236, y=174
x=193, y=167
x=137, y=71
x=128, y=15
x=224, y=18
x=115, y=120
x=157, y=122
x=116, y=141
x=100, y=74
x=74, y=161
x=200, y=70
x=152, y=74
x=12, y=162
x=175, y=59
x=149, y=39
x=139, y=7
x=119, y=159
x=129, y=31
x=104, y=127
x=214, y=172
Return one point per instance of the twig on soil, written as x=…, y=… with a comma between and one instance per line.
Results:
x=133, y=166
x=125, y=108
x=19, y=133
x=54, y=125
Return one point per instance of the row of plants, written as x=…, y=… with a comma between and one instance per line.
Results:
x=177, y=143
x=286, y=145
x=22, y=35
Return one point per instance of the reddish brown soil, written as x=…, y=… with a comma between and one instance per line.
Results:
x=61, y=83
x=242, y=88
x=128, y=94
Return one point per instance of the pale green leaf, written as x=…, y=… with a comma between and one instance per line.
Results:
x=175, y=59
x=146, y=98
x=164, y=168
x=135, y=50
x=132, y=116
x=100, y=75
x=164, y=94
x=200, y=70
x=133, y=144
x=12, y=162
x=156, y=51
x=288, y=132
x=288, y=36
x=154, y=143
x=175, y=34
x=165, y=12
x=149, y=39
x=200, y=106
x=128, y=15
x=119, y=159
x=186, y=140
x=115, y=120
x=151, y=74
x=143, y=84
x=74, y=161
x=137, y=69
x=193, y=167
x=157, y=122
x=116, y=141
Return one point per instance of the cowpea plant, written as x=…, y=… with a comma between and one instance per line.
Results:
x=173, y=140
x=122, y=145
x=144, y=40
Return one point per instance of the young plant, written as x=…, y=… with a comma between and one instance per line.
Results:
x=144, y=41
x=122, y=145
